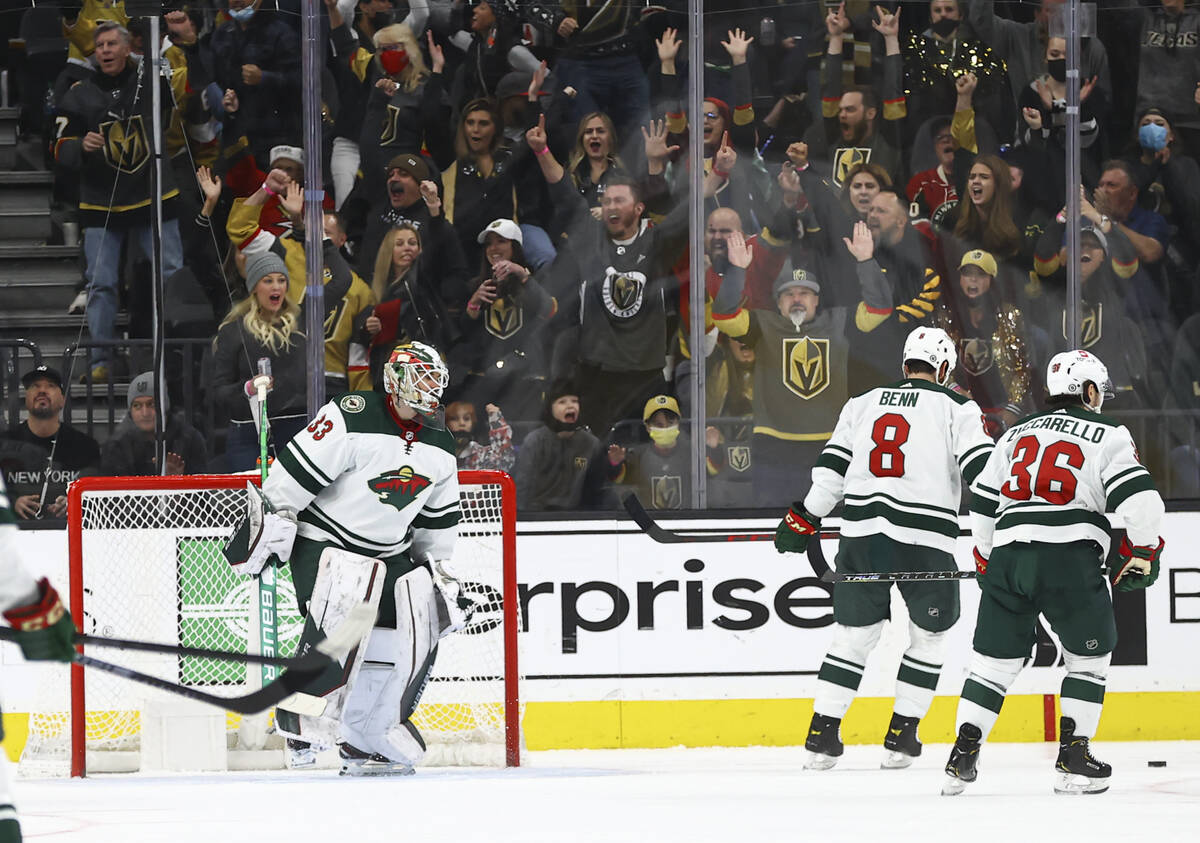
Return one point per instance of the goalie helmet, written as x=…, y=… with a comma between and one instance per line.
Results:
x=932, y=346
x=1070, y=371
x=415, y=375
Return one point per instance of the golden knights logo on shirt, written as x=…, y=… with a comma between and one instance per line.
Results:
x=666, y=492
x=975, y=354
x=738, y=457
x=623, y=292
x=846, y=157
x=504, y=318
x=399, y=488
x=125, y=145
x=1091, y=324
x=388, y=133
x=806, y=365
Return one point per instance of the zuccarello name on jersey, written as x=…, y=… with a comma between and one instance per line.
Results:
x=1086, y=431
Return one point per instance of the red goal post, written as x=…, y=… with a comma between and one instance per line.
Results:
x=473, y=695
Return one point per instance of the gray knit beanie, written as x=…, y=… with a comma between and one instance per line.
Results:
x=141, y=387
x=262, y=264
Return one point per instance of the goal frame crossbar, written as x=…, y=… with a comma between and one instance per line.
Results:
x=75, y=495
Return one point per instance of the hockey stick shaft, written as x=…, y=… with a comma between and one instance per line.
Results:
x=266, y=626
x=816, y=556
x=8, y=634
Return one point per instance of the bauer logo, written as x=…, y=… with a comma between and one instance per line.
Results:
x=399, y=488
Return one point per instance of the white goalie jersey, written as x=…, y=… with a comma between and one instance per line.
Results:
x=896, y=457
x=360, y=478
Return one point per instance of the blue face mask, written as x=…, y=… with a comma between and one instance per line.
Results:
x=242, y=15
x=1152, y=137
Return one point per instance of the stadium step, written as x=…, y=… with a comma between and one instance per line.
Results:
x=26, y=187
x=23, y=223
x=32, y=284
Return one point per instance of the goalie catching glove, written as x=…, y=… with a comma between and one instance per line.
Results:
x=456, y=608
x=44, y=628
x=794, y=531
x=264, y=532
x=1137, y=566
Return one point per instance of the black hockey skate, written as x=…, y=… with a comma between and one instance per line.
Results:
x=961, y=768
x=356, y=762
x=301, y=755
x=824, y=745
x=1078, y=771
x=901, y=742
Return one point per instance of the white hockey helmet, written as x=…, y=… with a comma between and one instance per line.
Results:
x=932, y=346
x=415, y=375
x=1070, y=371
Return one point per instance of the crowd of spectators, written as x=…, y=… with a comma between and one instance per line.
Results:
x=508, y=180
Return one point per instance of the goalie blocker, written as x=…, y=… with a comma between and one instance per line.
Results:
x=364, y=705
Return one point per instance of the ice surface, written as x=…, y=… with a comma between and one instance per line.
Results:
x=756, y=795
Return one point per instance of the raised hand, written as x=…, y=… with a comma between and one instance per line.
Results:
x=789, y=180
x=656, y=141
x=888, y=23
x=1033, y=118
x=616, y=455
x=539, y=79
x=740, y=252
x=567, y=28
x=737, y=46
x=536, y=137
x=836, y=22
x=484, y=295
x=726, y=158
x=388, y=86
x=278, y=180
x=797, y=153
x=210, y=185
x=965, y=84
x=292, y=199
x=862, y=246
x=437, y=58
x=1085, y=90
x=429, y=193
x=229, y=101
x=668, y=45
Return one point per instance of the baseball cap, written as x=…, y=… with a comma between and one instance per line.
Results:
x=981, y=259
x=1088, y=228
x=411, y=164
x=790, y=277
x=143, y=387
x=42, y=371
x=293, y=153
x=515, y=83
x=506, y=228
x=660, y=402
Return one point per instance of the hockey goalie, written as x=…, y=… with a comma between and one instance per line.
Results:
x=364, y=504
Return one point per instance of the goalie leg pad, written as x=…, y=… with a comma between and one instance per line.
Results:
x=343, y=580
x=397, y=666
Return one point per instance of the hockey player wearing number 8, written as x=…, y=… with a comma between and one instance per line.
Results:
x=895, y=458
x=376, y=476
x=1037, y=516
x=44, y=632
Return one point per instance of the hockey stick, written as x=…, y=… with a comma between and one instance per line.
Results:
x=301, y=671
x=816, y=555
x=8, y=634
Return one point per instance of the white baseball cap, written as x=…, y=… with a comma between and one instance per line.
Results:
x=293, y=153
x=506, y=228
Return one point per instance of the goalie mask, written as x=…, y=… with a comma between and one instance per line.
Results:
x=932, y=346
x=1069, y=373
x=416, y=376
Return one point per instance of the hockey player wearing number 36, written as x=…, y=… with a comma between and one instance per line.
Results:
x=44, y=632
x=895, y=458
x=1037, y=515
x=375, y=476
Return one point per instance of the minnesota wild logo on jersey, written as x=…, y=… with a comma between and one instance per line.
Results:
x=399, y=488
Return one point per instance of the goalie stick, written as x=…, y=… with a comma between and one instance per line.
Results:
x=816, y=556
x=299, y=672
x=8, y=634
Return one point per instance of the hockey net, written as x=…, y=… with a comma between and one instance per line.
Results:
x=146, y=564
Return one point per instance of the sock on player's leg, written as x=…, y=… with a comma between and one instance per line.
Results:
x=837, y=683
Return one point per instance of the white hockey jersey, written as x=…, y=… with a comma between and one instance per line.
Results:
x=1053, y=476
x=363, y=479
x=896, y=457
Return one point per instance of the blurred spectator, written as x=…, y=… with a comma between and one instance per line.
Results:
x=855, y=128
x=931, y=191
x=1106, y=259
x=80, y=21
x=42, y=454
x=264, y=324
x=660, y=470
x=472, y=455
x=131, y=450
x=493, y=47
x=256, y=64
x=504, y=336
x=935, y=57
x=983, y=219
x=1183, y=409
x=104, y=125
x=804, y=369
x=1169, y=64
x=244, y=178
x=594, y=160
x=554, y=459
x=1022, y=45
x=994, y=363
x=895, y=249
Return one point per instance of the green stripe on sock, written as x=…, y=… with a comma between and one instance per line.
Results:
x=982, y=696
x=919, y=678
x=1081, y=689
x=839, y=676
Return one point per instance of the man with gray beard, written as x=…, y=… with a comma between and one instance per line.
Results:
x=41, y=455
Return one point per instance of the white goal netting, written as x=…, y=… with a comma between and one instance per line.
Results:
x=146, y=564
